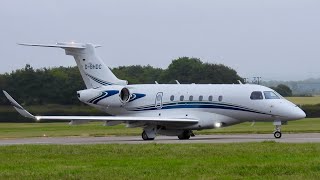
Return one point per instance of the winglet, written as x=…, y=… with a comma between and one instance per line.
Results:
x=18, y=107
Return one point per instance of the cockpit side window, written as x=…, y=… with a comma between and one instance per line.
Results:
x=278, y=95
x=270, y=95
x=256, y=95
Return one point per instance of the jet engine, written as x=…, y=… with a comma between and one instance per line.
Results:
x=114, y=96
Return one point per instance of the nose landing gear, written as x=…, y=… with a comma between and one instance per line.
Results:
x=277, y=132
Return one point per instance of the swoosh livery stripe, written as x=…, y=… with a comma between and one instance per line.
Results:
x=91, y=100
x=103, y=95
x=136, y=96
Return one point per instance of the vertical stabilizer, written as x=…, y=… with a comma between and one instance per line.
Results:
x=93, y=70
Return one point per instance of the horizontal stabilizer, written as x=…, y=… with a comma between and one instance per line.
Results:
x=25, y=113
x=60, y=45
x=95, y=73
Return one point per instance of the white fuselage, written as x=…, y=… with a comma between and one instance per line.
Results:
x=210, y=103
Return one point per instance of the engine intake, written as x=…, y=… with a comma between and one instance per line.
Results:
x=125, y=95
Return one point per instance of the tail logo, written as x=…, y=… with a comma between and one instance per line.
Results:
x=100, y=81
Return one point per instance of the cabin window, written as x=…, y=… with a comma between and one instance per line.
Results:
x=190, y=98
x=220, y=98
x=210, y=98
x=181, y=98
x=270, y=95
x=200, y=98
x=256, y=95
x=172, y=98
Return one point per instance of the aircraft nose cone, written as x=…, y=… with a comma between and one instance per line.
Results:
x=302, y=114
x=292, y=111
x=299, y=114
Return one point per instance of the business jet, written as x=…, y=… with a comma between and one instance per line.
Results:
x=167, y=109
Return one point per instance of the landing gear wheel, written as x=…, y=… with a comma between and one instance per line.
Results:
x=277, y=131
x=277, y=134
x=145, y=137
x=185, y=135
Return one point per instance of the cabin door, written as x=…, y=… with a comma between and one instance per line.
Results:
x=158, y=101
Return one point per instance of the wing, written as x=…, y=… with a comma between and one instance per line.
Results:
x=26, y=114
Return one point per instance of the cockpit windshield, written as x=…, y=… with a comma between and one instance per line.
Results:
x=270, y=95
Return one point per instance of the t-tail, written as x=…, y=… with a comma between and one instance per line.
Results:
x=93, y=70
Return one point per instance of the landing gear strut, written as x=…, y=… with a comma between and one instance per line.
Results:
x=277, y=131
x=186, y=135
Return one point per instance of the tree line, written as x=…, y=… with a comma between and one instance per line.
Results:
x=59, y=85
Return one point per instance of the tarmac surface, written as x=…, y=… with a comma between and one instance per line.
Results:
x=234, y=138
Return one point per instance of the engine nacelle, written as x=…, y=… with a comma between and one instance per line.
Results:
x=114, y=96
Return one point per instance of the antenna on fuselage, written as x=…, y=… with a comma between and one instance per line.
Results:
x=177, y=82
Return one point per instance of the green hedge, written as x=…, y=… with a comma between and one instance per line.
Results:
x=312, y=111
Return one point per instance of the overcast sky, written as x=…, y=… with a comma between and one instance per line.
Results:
x=274, y=39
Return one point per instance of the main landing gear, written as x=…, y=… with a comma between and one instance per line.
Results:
x=186, y=135
x=277, y=131
x=150, y=133
x=145, y=136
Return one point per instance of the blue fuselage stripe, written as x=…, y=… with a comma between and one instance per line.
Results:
x=197, y=105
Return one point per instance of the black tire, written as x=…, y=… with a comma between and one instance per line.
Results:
x=277, y=134
x=185, y=135
x=145, y=137
x=181, y=137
